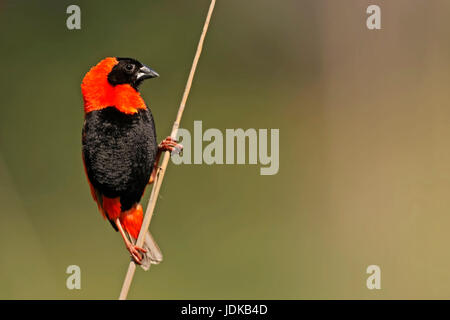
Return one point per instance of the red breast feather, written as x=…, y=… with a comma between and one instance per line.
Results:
x=98, y=93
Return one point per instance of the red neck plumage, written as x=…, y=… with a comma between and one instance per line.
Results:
x=98, y=93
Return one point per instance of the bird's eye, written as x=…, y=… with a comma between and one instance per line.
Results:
x=129, y=67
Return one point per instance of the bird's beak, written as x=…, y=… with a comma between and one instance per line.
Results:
x=146, y=73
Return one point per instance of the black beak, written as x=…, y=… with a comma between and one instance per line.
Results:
x=146, y=73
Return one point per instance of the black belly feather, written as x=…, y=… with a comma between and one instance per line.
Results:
x=119, y=152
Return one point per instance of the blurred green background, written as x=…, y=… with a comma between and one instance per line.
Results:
x=364, y=156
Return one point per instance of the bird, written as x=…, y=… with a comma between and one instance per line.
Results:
x=120, y=152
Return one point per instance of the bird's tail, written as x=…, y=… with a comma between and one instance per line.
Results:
x=132, y=222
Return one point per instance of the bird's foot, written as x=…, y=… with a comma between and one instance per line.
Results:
x=170, y=144
x=135, y=252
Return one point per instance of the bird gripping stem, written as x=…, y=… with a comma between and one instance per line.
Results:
x=160, y=174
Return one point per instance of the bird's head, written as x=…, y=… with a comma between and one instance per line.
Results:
x=130, y=71
x=114, y=82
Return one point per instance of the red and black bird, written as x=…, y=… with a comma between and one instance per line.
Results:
x=120, y=150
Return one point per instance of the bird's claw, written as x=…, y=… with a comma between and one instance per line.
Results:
x=171, y=145
x=135, y=253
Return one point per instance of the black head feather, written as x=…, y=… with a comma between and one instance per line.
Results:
x=130, y=71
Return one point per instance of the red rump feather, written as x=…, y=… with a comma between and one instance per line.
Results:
x=131, y=220
x=112, y=207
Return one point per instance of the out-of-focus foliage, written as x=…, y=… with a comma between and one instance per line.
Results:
x=363, y=118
